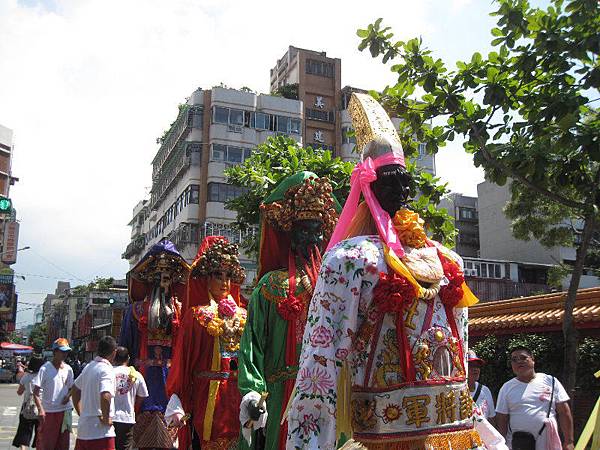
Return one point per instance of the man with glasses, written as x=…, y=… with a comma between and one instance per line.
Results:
x=530, y=405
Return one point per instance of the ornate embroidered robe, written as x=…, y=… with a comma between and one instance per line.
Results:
x=204, y=374
x=392, y=380
x=267, y=340
x=150, y=350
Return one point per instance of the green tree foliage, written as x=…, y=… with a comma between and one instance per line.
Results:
x=287, y=91
x=38, y=337
x=14, y=338
x=526, y=113
x=99, y=283
x=280, y=157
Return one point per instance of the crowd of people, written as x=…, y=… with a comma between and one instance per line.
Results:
x=104, y=395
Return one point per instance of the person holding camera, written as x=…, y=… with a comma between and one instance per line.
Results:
x=532, y=406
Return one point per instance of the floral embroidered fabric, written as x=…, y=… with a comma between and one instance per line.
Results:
x=363, y=317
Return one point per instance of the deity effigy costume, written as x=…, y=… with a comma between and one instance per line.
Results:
x=295, y=219
x=383, y=356
x=203, y=378
x=149, y=330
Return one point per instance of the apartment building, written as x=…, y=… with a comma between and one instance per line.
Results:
x=463, y=209
x=216, y=128
x=318, y=80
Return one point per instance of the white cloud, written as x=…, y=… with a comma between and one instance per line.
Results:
x=88, y=85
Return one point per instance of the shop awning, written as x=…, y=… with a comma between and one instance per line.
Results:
x=11, y=346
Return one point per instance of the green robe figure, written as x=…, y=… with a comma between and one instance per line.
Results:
x=297, y=220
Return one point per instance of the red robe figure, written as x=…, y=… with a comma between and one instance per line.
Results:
x=203, y=380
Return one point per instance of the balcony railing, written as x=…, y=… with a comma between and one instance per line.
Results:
x=184, y=234
x=487, y=289
x=186, y=153
x=178, y=130
x=134, y=247
x=233, y=234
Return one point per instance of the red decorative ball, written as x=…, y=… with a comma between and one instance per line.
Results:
x=393, y=293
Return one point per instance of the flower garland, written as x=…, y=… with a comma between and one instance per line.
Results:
x=452, y=292
x=224, y=320
x=410, y=228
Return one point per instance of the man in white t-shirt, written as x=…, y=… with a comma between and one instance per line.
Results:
x=481, y=394
x=130, y=393
x=524, y=402
x=51, y=393
x=93, y=394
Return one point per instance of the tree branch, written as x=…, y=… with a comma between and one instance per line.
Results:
x=521, y=179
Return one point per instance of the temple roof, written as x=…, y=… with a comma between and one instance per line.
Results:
x=536, y=313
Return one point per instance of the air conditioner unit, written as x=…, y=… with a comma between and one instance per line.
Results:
x=235, y=128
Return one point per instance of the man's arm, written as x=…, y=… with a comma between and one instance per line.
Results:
x=38, y=403
x=565, y=422
x=105, y=399
x=502, y=423
x=20, y=389
x=76, y=394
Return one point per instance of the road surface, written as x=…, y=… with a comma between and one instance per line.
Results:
x=10, y=404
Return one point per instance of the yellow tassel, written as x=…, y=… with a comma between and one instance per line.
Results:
x=343, y=414
x=213, y=389
x=468, y=298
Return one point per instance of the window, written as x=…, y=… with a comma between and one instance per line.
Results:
x=348, y=139
x=317, y=114
x=194, y=194
x=218, y=153
x=321, y=68
x=220, y=115
x=262, y=121
x=249, y=119
x=282, y=124
x=229, y=154
x=467, y=213
x=235, y=155
x=221, y=192
x=295, y=125
x=236, y=117
x=422, y=149
x=196, y=117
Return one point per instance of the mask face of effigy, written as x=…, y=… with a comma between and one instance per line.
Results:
x=392, y=188
x=306, y=235
x=165, y=280
x=219, y=285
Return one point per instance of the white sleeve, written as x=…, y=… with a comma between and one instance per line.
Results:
x=70, y=378
x=502, y=405
x=141, y=388
x=173, y=407
x=560, y=394
x=107, y=382
x=39, y=378
x=491, y=410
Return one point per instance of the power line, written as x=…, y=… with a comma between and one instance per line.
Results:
x=50, y=278
x=58, y=267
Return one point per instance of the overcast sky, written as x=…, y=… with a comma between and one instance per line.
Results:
x=88, y=85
